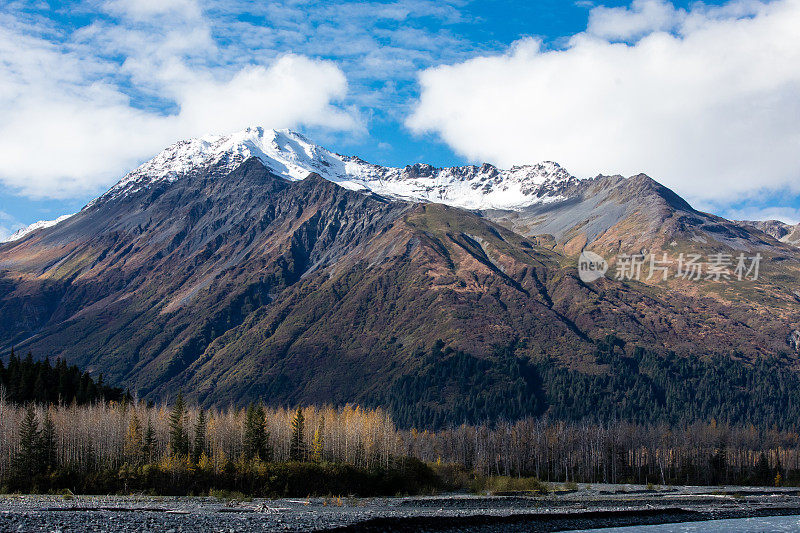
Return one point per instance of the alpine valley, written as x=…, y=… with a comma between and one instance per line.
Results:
x=260, y=265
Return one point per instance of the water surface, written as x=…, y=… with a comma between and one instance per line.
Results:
x=764, y=524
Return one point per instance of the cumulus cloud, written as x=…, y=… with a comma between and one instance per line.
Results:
x=80, y=111
x=293, y=89
x=705, y=101
x=641, y=18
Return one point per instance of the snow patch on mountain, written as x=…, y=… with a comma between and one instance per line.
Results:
x=292, y=156
x=20, y=233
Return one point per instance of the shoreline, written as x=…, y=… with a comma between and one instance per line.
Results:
x=586, y=507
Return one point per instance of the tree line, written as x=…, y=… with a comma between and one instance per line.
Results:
x=647, y=418
x=110, y=447
x=26, y=380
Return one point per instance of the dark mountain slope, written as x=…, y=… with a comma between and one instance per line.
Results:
x=173, y=267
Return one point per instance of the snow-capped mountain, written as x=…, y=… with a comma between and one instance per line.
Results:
x=246, y=285
x=292, y=156
x=20, y=233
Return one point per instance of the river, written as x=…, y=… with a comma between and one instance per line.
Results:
x=764, y=524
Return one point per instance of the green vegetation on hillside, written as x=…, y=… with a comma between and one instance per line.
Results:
x=451, y=387
x=646, y=387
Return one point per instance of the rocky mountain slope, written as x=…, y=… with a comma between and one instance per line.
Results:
x=618, y=215
x=224, y=274
x=776, y=229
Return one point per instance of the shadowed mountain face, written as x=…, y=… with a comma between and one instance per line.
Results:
x=240, y=285
x=142, y=284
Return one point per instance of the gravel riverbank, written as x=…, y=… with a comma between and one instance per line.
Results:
x=585, y=507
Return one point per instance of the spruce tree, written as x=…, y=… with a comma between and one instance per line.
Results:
x=26, y=461
x=200, y=430
x=13, y=377
x=63, y=383
x=297, y=446
x=248, y=440
x=178, y=437
x=148, y=442
x=28, y=377
x=265, y=449
x=763, y=471
x=256, y=437
x=39, y=393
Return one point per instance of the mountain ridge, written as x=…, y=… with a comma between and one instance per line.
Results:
x=781, y=231
x=516, y=197
x=294, y=156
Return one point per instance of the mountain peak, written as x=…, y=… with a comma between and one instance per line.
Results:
x=293, y=156
x=286, y=152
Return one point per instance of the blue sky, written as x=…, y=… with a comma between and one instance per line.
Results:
x=89, y=89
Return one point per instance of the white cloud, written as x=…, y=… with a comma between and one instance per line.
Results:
x=710, y=109
x=144, y=9
x=788, y=215
x=641, y=18
x=71, y=125
x=294, y=89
